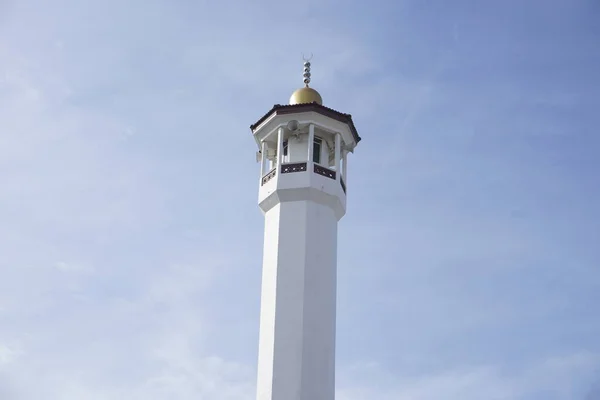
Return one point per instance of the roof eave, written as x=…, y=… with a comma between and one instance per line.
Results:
x=308, y=107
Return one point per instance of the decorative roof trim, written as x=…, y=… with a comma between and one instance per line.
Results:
x=279, y=109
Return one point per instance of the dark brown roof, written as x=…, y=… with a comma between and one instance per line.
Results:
x=280, y=109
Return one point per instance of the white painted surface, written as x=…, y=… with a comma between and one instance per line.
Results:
x=297, y=323
x=268, y=129
x=297, y=148
x=298, y=299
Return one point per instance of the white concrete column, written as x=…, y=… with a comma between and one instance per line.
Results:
x=263, y=150
x=338, y=143
x=296, y=356
x=279, y=147
x=311, y=141
x=345, y=167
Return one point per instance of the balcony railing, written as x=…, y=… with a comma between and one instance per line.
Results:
x=324, y=171
x=293, y=167
x=302, y=167
x=268, y=176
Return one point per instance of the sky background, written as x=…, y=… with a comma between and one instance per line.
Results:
x=131, y=239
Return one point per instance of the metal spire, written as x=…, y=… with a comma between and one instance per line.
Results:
x=306, y=74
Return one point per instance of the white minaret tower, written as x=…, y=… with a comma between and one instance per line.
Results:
x=303, y=150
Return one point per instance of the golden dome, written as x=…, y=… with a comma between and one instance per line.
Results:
x=306, y=95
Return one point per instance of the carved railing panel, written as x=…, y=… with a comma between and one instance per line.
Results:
x=293, y=167
x=269, y=176
x=324, y=171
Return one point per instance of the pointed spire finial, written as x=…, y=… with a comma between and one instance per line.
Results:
x=306, y=74
x=306, y=95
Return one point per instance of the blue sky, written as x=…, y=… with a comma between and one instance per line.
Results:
x=130, y=237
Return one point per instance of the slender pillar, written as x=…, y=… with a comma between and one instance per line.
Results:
x=345, y=167
x=263, y=150
x=311, y=141
x=279, y=147
x=338, y=142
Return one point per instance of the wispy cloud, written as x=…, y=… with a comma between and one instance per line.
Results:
x=130, y=241
x=554, y=378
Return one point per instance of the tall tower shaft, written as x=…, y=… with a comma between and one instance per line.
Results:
x=303, y=150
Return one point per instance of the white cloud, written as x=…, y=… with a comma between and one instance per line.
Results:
x=7, y=354
x=73, y=268
x=552, y=378
x=145, y=344
x=123, y=129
